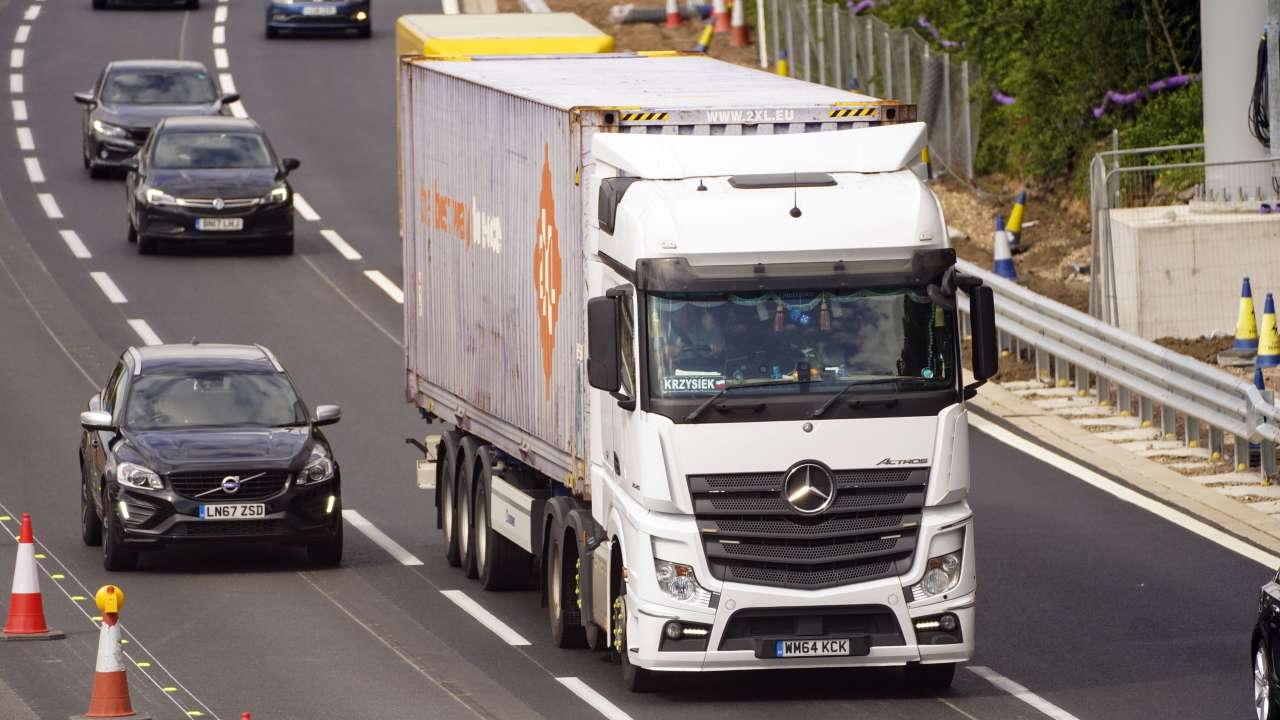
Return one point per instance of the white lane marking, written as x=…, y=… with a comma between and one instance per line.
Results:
x=24, y=32
x=485, y=618
x=449, y=7
x=76, y=245
x=25, y=140
x=15, y=83
x=34, y=172
x=50, y=206
x=220, y=58
x=20, y=110
x=32, y=13
x=17, y=57
x=1125, y=493
x=108, y=287
x=219, y=35
x=304, y=208
x=386, y=543
x=145, y=332
x=1020, y=692
x=227, y=82
x=334, y=239
x=220, y=15
x=237, y=110
x=388, y=287
x=593, y=698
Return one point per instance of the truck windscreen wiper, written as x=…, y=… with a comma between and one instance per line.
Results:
x=835, y=397
x=707, y=403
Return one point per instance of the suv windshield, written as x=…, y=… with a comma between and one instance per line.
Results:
x=210, y=150
x=701, y=343
x=158, y=87
x=212, y=399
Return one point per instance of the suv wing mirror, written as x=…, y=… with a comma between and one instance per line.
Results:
x=327, y=414
x=96, y=420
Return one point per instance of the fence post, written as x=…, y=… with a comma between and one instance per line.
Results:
x=774, y=29
x=1082, y=381
x=966, y=121
x=808, y=39
x=946, y=107
x=791, y=40
x=1243, y=461
x=762, y=34
x=907, y=93
x=837, y=66
x=1168, y=422
x=1145, y=411
x=1104, y=391
x=888, y=63
x=854, y=83
x=871, y=60
x=1267, y=448
x=1060, y=371
x=1217, y=443
x=1042, y=365
x=1193, y=431
x=821, y=17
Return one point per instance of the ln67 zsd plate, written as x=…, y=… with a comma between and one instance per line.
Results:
x=233, y=511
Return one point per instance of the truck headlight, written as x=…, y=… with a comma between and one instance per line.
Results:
x=941, y=576
x=158, y=197
x=137, y=476
x=319, y=467
x=278, y=194
x=679, y=583
x=108, y=130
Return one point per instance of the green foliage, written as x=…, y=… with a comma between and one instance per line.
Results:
x=1059, y=58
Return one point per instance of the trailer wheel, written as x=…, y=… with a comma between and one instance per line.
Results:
x=500, y=563
x=466, y=506
x=448, y=504
x=562, y=610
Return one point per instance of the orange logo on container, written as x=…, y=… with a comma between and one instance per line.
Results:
x=546, y=269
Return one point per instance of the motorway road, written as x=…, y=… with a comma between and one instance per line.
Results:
x=1098, y=609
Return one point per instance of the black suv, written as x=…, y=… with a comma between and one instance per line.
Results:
x=206, y=443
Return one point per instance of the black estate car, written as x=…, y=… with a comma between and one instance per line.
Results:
x=188, y=4
x=209, y=178
x=131, y=96
x=206, y=443
x=313, y=16
x=1266, y=651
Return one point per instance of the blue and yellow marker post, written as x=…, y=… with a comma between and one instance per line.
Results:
x=1269, y=339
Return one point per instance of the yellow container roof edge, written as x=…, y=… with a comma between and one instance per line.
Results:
x=499, y=34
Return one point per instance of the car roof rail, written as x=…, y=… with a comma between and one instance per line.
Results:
x=271, y=357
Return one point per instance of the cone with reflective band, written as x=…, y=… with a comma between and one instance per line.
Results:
x=781, y=67
x=1246, y=321
x=1268, y=340
x=1015, y=220
x=26, y=607
x=110, y=697
x=1003, y=265
x=738, y=25
x=720, y=16
x=673, y=14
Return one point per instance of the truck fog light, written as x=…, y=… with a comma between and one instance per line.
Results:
x=103, y=153
x=361, y=16
x=948, y=622
x=674, y=630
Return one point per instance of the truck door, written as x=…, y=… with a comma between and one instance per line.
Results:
x=616, y=419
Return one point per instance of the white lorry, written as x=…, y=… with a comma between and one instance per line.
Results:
x=691, y=330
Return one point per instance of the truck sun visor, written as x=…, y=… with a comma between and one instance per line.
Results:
x=769, y=181
x=676, y=274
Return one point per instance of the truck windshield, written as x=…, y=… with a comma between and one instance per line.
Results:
x=701, y=343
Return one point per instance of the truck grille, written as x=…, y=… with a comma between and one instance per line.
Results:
x=751, y=535
x=193, y=484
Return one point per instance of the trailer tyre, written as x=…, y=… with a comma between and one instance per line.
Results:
x=448, y=504
x=500, y=563
x=466, y=506
x=562, y=606
x=933, y=678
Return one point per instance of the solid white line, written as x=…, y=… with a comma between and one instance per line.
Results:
x=1020, y=692
x=50, y=206
x=24, y=32
x=593, y=698
x=227, y=82
x=15, y=83
x=1126, y=493
x=485, y=618
x=17, y=57
x=20, y=110
x=237, y=110
x=33, y=169
x=220, y=15
x=386, y=543
x=32, y=13
x=385, y=283
x=335, y=240
x=25, y=139
x=220, y=58
x=304, y=208
x=219, y=35
x=449, y=7
x=77, y=246
x=145, y=332
x=108, y=287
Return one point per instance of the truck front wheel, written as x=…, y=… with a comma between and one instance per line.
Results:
x=634, y=678
x=934, y=678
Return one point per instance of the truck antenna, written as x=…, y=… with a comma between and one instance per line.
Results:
x=795, y=194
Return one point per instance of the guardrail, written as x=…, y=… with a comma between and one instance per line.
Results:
x=1076, y=350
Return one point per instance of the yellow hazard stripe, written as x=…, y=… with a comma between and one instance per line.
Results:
x=853, y=112
x=645, y=116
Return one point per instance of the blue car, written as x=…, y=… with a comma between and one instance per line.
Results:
x=319, y=16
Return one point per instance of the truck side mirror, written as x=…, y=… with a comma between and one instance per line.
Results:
x=604, y=320
x=986, y=350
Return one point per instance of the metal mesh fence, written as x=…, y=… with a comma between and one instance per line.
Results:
x=828, y=44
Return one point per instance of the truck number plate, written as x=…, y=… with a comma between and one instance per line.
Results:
x=811, y=648
x=220, y=224
x=320, y=10
x=233, y=511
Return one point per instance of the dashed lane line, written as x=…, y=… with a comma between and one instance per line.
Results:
x=220, y=14
x=1018, y=691
x=17, y=57
x=26, y=141
x=144, y=331
x=23, y=32
x=237, y=110
x=220, y=58
x=19, y=110
x=593, y=698
x=304, y=208
x=485, y=618
x=337, y=242
x=219, y=35
x=32, y=13
x=75, y=244
x=50, y=206
x=358, y=521
x=15, y=83
x=385, y=284
x=108, y=287
x=227, y=82
x=34, y=171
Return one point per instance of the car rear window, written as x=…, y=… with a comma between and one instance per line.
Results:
x=192, y=150
x=159, y=87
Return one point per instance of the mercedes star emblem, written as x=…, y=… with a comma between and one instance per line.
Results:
x=809, y=488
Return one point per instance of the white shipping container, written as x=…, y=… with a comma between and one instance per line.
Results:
x=496, y=218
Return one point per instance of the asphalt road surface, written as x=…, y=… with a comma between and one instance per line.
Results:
x=1089, y=608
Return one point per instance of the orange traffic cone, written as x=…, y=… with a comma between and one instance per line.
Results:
x=720, y=15
x=110, y=697
x=738, y=25
x=673, y=14
x=26, y=608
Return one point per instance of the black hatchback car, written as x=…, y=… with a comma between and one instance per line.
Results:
x=131, y=96
x=200, y=179
x=1266, y=651
x=206, y=443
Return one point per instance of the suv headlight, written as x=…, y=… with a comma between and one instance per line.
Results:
x=941, y=576
x=278, y=194
x=137, y=476
x=108, y=130
x=679, y=583
x=319, y=467
x=158, y=197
